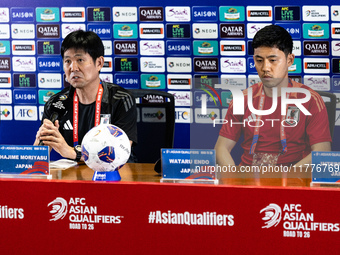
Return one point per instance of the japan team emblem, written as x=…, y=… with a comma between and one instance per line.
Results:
x=293, y=115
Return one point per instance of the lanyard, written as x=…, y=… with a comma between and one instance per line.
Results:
x=258, y=120
x=76, y=112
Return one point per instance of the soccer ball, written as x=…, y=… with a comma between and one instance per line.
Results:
x=105, y=148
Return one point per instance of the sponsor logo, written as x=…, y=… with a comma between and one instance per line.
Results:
x=315, y=31
x=317, y=82
x=182, y=98
x=124, y=14
x=319, y=65
x=174, y=14
x=294, y=29
x=151, y=13
x=23, y=31
x=49, y=80
x=22, y=14
x=4, y=31
x=183, y=115
x=335, y=30
x=209, y=117
x=251, y=65
x=151, y=31
x=24, y=64
x=316, y=48
x=107, y=47
x=296, y=67
x=49, y=64
x=287, y=13
x=4, y=15
x=152, y=64
x=5, y=80
x=106, y=77
x=78, y=213
x=48, y=31
x=336, y=65
x=23, y=80
x=178, y=31
x=335, y=13
x=253, y=28
x=206, y=13
x=296, y=78
x=232, y=13
x=204, y=81
x=126, y=64
x=107, y=67
x=6, y=112
x=5, y=48
x=49, y=47
x=232, y=30
x=153, y=99
x=297, y=48
x=272, y=215
x=72, y=14
x=233, y=65
x=127, y=81
x=69, y=28
x=153, y=81
x=296, y=223
x=23, y=47
x=232, y=48
x=259, y=13
x=5, y=64
x=47, y=14
x=150, y=114
x=205, y=48
x=151, y=47
x=45, y=95
x=98, y=14
x=179, y=81
x=234, y=80
x=25, y=113
x=206, y=64
x=5, y=96
x=204, y=30
x=125, y=31
x=103, y=31
x=25, y=96
x=336, y=48
x=174, y=47
x=179, y=65
x=315, y=13
x=125, y=48
x=211, y=101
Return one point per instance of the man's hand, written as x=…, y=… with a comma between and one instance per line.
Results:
x=49, y=134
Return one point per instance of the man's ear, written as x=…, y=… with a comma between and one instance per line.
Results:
x=290, y=59
x=99, y=63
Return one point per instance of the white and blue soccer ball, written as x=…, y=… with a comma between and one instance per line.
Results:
x=105, y=148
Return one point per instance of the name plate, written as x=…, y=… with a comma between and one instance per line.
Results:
x=188, y=166
x=326, y=167
x=30, y=161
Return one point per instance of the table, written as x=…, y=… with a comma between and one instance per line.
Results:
x=73, y=215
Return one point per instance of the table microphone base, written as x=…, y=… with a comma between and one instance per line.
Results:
x=112, y=176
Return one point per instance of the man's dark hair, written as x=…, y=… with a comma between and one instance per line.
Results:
x=83, y=40
x=273, y=36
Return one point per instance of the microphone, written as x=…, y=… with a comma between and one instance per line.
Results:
x=59, y=109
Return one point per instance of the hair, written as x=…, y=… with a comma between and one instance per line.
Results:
x=83, y=40
x=273, y=36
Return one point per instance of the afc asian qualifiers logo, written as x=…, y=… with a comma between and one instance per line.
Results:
x=272, y=215
x=59, y=209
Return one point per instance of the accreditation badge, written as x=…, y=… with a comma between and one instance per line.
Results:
x=293, y=115
x=105, y=118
